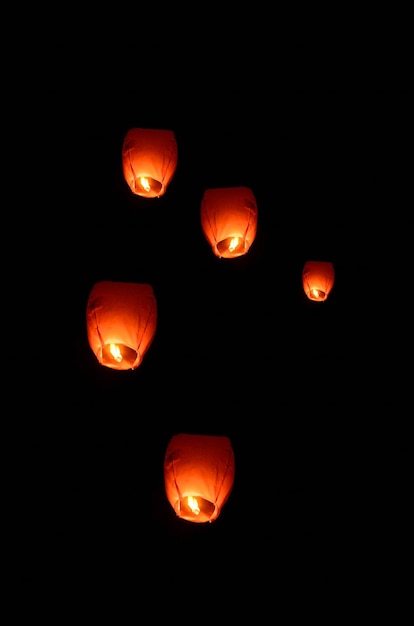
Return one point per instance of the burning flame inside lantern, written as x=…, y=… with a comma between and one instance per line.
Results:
x=115, y=352
x=147, y=186
x=193, y=505
x=196, y=508
x=231, y=247
x=317, y=294
x=144, y=182
x=233, y=244
x=118, y=356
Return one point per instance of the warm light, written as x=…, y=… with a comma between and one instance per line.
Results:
x=149, y=160
x=193, y=504
x=229, y=220
x=196, y=509
x=144, y=182
x=146, y=187
x=233, y=244
x=115, y=351
x=119, y=356
x=318, y=279
x=318, y=294
x=121, y=323
x=199, y=475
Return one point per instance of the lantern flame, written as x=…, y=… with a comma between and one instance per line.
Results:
x=318, y=293
x=193, y=505
x=233, y=244
x=144, y=182
x=115, y=352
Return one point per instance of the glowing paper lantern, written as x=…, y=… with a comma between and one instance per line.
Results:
x=199, y=475
x=121, y=321
x=229, y=220
x=149, y=161
x=318, y=278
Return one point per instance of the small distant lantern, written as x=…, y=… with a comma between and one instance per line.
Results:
x=199, y=475
x=149, y=160
x=229, y=220
x=318, y=279
x=121, y=323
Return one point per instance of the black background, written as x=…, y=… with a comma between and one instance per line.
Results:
x=238, y=351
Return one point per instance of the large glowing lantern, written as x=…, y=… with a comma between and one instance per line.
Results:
x=229, y=220
x=121, y=321
x=149, y=160
x=318, y=279
x=199, y=475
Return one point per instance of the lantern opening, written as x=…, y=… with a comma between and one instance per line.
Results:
x=317, y=294
x=231, y=247
x=194, y=508
x=147, y=187
x=119, y=357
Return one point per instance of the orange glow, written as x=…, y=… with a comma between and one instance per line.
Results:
x=115, y=351
x=318, y=279
x=234, y=242
x=149, y=161
x=121, y=321
x=144, y=182
x=198, y=475
x=229, y=220
x=193, y=505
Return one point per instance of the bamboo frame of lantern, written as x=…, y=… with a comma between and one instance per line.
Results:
x=121, y=321
x=318, y=279
x=229, y=220
x=198, y=475
x=149, y=160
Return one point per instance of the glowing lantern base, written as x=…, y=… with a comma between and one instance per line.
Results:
x=118, y=356
x=231, y=247
x=146, y=187
x=194, y=508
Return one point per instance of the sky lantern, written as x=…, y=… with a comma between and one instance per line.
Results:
x=229, y=220
x=149, y=160
x=318, y=279
x=121, y=322
x=198, y=475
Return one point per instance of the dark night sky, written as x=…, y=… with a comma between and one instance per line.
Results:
x=238, y=350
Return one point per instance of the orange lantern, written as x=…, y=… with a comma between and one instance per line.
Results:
x=318, y=279
x=121, y=321
x=229, y=220
x=199, y=475
x=149, y=161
